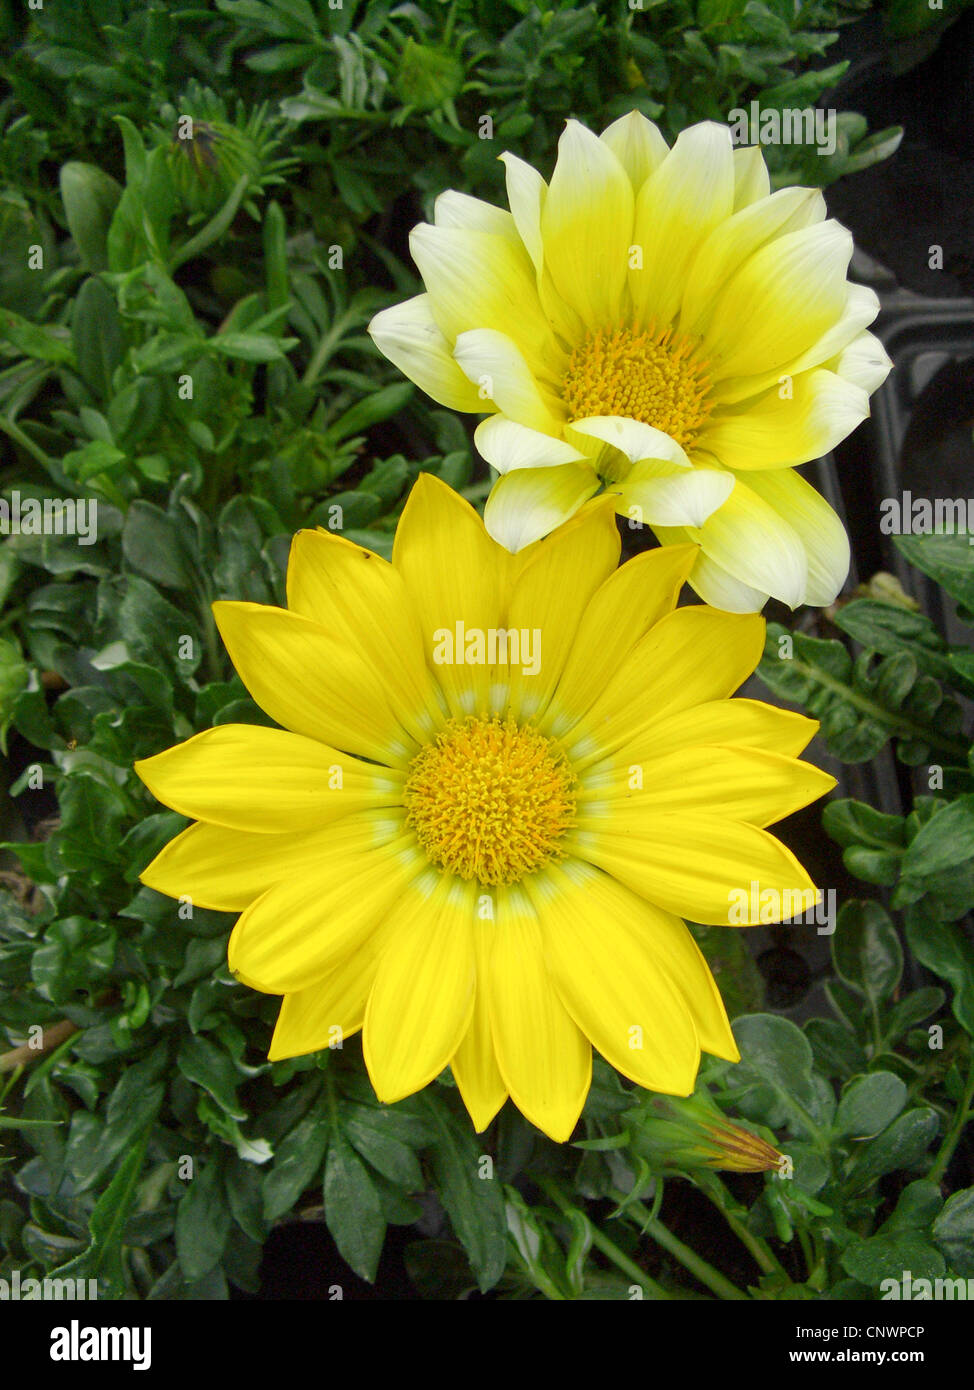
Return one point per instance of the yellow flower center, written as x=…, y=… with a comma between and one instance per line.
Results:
x=489, y=800
x=650, y=376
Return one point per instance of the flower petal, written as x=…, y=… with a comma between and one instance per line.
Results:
x=630, y=602
x=865, y=361
x=637, y=144
x=741, y=784
x=755, y=544
x=661, y=494
x=696, y=865
x=474, y=1064
x=751, y=179
x=310, y=681
x=507, y=446
x=544, y=1058
x=364, y=600
x=783, y=298
x=632, y=438
x=690, y=656
x=495, y=362
x=461, y=211
x=306, y=925
x=586, y=223
x=407, y=334
x=528, y=504
x=421, y=1004
x=551, y=593
x=748, y=723
x=475, y=280
x=690, y=192
x=330, y=1010
x=608, y=956
x=249, y=777
x=792, y=424
x=818, y=528
x=454, y=573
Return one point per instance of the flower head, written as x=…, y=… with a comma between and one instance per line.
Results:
x=500, y=782
x=655, y=322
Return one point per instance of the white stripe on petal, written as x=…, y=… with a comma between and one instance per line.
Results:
x=507, y=446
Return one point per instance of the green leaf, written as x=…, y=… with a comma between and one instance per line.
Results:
x=887, y=1256
x=773, y=1081
x=474, y=1205
x=945, y=841
x=900, y=1146
x=866, y=949
x=203, y=1221
x=947, y=559
x=106, y=1228
x=297, y=1164
x=353, y=1211
x=851, y=822
x=98, y=337
x=944, y=949
x=869, y=1104
x=41, y=344
x=208, y=1066
x=953, y=1231
x=90, y=198
x=152, y=544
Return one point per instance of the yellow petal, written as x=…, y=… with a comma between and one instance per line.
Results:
x=748, y=723
x=476, y=280
x=697, y=865
x=779, y=302
x=552, y=590
x=454, y=573
x=453, y=209
x=692, y=655
x=731, y=242
x=751, y=180
x=526, y=193
x=754, y=543
x=742, y=784
x=798, y=421
x=305, y=926
x=407, y=334
x=504, y=376
x=721, y=590
x=422, y=1001
x=586, y=224
x=332, y=1009
x=525, y=505
x=631, y=601
x=474, y=1064
x=544, y=1058
x=690, y=192
x=815, y=523
x=637, y=144
x=363, y=600
x=227, y=870
x=609, y=967
x=249, y=777
x=310, y=681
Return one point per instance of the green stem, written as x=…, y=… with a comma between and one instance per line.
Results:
x=602, y=1242
x=711, y=1278
x=714, y=1188
x=951, y=1138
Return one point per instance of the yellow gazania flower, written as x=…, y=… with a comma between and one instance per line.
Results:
x=655, y=321
x=483, y=866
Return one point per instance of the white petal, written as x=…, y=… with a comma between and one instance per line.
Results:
x=632, y=438
x=496, y=365
x=507, y=446
x=408, y=336
x=865, y=362
x=754, y=544
x=821, y=532
x=453, y=209
x=529, y=503
x=661, y=494
x=751, y=180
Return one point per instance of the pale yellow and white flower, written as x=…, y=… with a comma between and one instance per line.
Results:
x=657, y=323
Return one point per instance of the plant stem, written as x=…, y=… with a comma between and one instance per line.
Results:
x=602, y=1242
x=952, y=1137
x=53, y=1037
x=714, y=1188
x=697, y=1266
